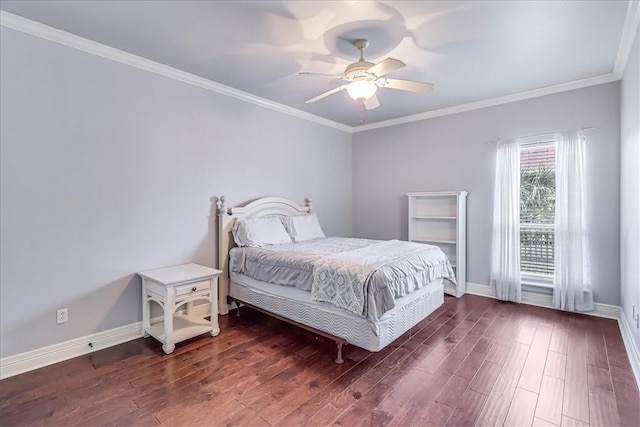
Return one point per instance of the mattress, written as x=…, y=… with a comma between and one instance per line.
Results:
x=296, y=304
x=396, y=269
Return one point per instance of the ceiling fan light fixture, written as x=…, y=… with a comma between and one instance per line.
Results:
x=361, y=90
x=364, y=78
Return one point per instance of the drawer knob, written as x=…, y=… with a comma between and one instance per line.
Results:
x=193, y=289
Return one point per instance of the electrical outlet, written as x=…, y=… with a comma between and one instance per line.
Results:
x=62, y=316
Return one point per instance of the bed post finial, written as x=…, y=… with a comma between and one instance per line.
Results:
x=309, y=203
x=223, y=205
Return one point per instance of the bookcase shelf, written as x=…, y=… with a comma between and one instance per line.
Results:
x=439, y=218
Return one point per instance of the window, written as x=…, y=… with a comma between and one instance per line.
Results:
x=537, y=208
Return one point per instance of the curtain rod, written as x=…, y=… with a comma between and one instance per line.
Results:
x=540, y=134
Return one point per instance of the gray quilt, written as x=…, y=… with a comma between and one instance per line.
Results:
x=360, y=275
x=343, y=279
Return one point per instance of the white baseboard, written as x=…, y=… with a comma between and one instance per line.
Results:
x=633, y=348
x=34, y=359
x=45, y=356
x=38, y=358
x=601, y=310
x=546, y=300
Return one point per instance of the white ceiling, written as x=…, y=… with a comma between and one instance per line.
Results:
x=471, y=50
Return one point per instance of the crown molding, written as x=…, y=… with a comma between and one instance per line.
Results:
x=55, y=35
x=549, y=90
x=626, y=40
x=71, y=40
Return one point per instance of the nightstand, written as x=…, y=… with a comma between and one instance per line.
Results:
x=171, y=288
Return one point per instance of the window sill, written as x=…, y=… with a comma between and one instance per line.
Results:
x=543, y=282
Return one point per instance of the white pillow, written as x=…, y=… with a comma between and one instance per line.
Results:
x=260, y=232
x=303, y=227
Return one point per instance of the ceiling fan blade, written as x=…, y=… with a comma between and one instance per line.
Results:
x=371, y=103
x=325, y=94
x=408, y=85
x=335, y=76
x=386, y=66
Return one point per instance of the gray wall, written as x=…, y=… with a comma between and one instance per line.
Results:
x=107, y=170
x=630, y=190
x=457, y=152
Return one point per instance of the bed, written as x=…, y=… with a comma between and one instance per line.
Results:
x=304, y=287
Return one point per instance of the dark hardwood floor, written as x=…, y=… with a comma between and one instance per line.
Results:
x=475, y=361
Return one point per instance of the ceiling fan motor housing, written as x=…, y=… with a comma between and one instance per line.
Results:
x=358, y=71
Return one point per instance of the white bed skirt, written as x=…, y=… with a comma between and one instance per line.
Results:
x=296, y=305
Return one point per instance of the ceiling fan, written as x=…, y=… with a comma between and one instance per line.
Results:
x=364, y=78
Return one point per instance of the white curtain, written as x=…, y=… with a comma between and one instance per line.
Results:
x=572, y=281
x=505, y=249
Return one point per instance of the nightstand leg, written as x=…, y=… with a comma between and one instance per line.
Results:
x=168, y=349
x=215, y=327
x=146, y=323
x=169, y=345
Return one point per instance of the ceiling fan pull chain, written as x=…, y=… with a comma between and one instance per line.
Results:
x=361, y=113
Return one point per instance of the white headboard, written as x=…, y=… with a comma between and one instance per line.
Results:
x=267, y=206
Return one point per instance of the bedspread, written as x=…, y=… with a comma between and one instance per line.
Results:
x=294, y=265
x=343, y=279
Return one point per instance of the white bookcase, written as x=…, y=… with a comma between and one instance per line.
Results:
x=439, y=218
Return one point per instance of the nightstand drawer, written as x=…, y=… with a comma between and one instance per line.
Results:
x=204, y=285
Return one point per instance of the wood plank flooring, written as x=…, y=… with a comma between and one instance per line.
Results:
x=475, y=361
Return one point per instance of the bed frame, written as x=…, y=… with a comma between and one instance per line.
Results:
x=343, y=329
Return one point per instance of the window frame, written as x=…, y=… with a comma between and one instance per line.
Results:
x=535, y=143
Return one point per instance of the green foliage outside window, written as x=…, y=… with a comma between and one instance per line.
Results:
x=537, y=206
x=537, y=195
